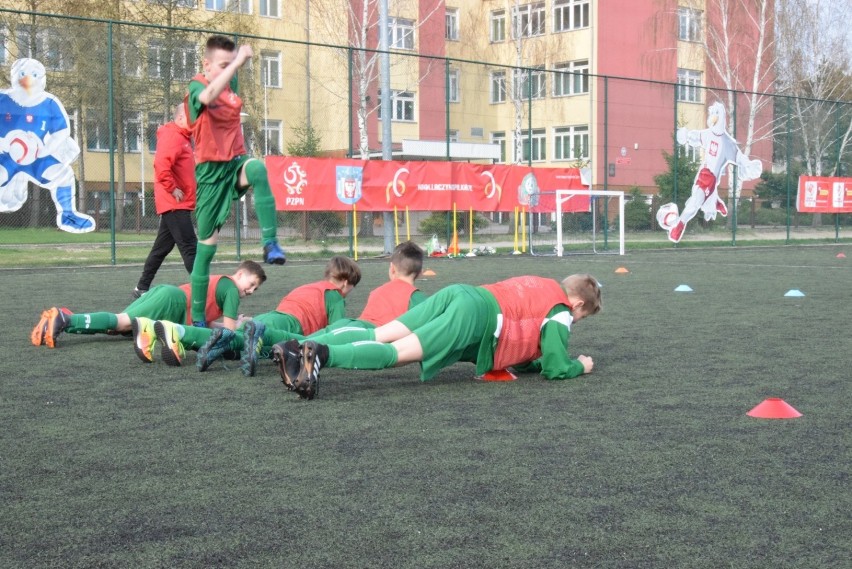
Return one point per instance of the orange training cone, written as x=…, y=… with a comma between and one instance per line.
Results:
x=429, y=273
x=774, y=408
x=622, y=270
x=453, y=249
x=499, y=375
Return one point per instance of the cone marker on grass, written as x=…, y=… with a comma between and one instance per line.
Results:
x=774, y=408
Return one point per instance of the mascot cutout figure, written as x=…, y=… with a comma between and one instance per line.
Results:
x=720, y=149
x=36, y=146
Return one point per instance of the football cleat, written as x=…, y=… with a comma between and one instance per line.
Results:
x=144, y=338
x=314, y=357
x=288, y=358
x=173, y=351
x=274, y=254
x=52, y=323
x=214, y=348
x=253, y=338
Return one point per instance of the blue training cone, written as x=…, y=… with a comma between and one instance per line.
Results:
x=794, y=292
x=683, y=288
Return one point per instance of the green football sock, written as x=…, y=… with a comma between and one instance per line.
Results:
x=273, y=336
x=92, y=323
x=200, y=279
x=346, y=336
x=362, y=355
x=264, y=201
x=194, y=337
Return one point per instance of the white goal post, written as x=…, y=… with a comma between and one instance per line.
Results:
x=563, y=196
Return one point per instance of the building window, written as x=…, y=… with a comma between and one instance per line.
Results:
x=236, y=6
x=498, y=86
x=534, y=148
x=271, y=138
x=452, y=19
x=270, y=68
x=270, y=9
x=499, y=138
x=528, y=20
x=453, y=135
x=498, y=25
x=693, y=153
x=4, y=54
x=453, y=91
x=401, y=33
x=530, y=84
x=570, y=15
x=155, y=120
x=97, y=131
x=182, y=58
x=402, y=106
x=689, y=24
x=131, y=63
x=572, y=78
x=571, y=143
x=50, y=47
x=132, y=132
x=688, y=82
x=178, y=3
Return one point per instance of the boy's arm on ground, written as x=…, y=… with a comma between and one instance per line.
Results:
x=228, y=298
x=555, y=362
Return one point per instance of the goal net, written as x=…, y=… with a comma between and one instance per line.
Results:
x=596, y=228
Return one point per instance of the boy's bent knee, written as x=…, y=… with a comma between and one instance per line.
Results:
x=255, y=170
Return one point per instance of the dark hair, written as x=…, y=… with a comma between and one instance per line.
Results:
x=343, y=269
x=407, y=257
x=253, y=268
x=220, y=42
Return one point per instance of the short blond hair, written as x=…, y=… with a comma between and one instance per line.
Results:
x=587, y=288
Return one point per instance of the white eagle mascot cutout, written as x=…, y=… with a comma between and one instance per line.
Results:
x=36, y=146
x=720, y=149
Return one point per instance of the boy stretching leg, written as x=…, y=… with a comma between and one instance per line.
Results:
x=224, y=171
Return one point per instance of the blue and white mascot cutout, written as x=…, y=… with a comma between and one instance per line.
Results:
x=720, y=149
x=36, y=146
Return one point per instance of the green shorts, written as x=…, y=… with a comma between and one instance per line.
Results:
x=218, y=186
x=451, y=324
x=162, y=302
x=279, y=321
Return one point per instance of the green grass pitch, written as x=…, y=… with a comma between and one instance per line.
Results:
x=649, y=462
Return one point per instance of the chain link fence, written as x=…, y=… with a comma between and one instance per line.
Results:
x=118, y=82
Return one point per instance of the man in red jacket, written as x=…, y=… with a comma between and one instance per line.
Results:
x=174, y=197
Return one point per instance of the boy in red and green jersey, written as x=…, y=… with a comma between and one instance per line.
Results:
x=516, y=321
x=224, y=171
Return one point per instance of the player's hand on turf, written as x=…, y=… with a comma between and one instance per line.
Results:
x=587, y=362
x=242, y=319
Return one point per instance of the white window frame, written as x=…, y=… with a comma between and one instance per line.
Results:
x=688, y=24
x=50, y=46
x=529, y=20
x=233, y=6
x=184, y=60
x=402, y=105
x=538, y=148
x=270, y=8
x=571, y=78
x=453, y=136
x=576, y=137
x=452, y=20
x=151, y=125
x=178, y=3
x=538, y=84
x=97, y=131
x=131, y=63
x=497, y=26
x=132, y=145
x=4, y=42
x=688, y=82
x=454, y=86
x=570, y=15
x=270, y=69
x=400, y=33
x=498, y=90
x=499, y=138
x=272, y=133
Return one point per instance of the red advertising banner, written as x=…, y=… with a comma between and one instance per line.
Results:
x=329, y=184
x=819, y=194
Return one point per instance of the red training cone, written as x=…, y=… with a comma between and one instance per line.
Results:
x=841, y=255
x=774, y=408
x=499, y=375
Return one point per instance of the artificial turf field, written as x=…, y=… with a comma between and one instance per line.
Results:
x=650, y=461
